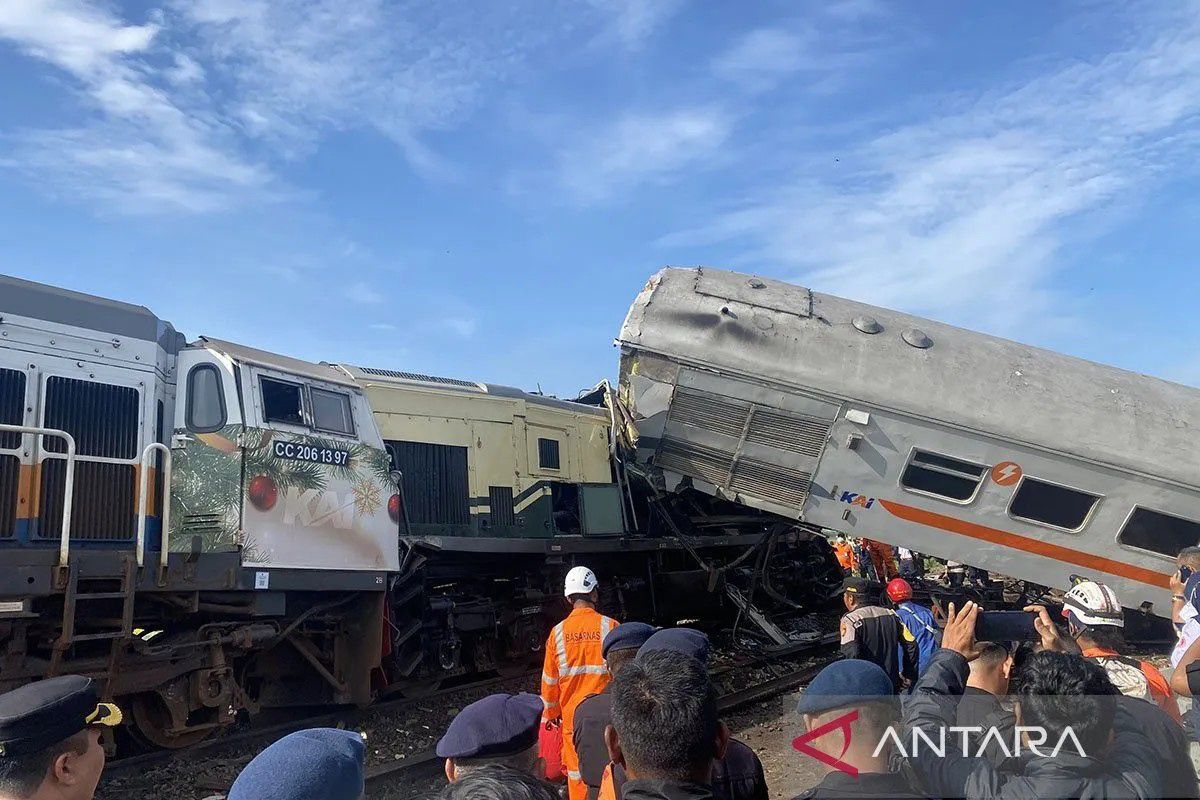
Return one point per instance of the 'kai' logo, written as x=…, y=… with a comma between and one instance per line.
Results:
x=314, y=508
x=856, y=499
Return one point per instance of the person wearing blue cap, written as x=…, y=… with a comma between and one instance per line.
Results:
x=847, y=711
x=594, y=713
x=499, y=729
x=494, y=782
x=314, y=764
x=688, y=641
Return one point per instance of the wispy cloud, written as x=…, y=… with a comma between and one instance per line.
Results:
x=632, y=22
x=363, y=293
x=382, y=327
x=641, y=147
x=461, y=326
x=762, y=56
x=964, y=212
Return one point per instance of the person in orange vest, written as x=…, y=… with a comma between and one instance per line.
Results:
x=844, y=553
x=575, y=666
x=882, y=559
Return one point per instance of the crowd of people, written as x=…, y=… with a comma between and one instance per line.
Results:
x=626, y=710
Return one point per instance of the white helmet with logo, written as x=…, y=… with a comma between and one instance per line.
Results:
x=580, y=580
x=1092, y=603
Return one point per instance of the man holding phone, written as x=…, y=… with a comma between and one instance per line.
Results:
x=1057, y=691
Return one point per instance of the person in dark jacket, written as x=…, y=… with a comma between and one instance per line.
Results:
x=981, y=707
x=665, y=731
x=1057, y=692
x=873, y=633
x=854, y=702
x=737, y=775
x=594, y=713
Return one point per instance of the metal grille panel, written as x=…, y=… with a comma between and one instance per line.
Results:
x=103, y=505
x=417, y=376
x=500, y=499
x=771, y=482
x=708, y=413
x=791, y=432
x=103, y=418
x=12, y=405
x=435, y=482
x=10, y=473
x=689, y=458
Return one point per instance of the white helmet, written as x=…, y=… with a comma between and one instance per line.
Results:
x=580, y=580
x=1093, y=603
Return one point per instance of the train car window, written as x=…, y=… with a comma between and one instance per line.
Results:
x=1159, y=532
x=281, y=401
x=1051, y=504
x=548, y=454
x=942, y=476
x=205, y=400
x=331, y=411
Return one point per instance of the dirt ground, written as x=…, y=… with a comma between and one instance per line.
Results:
x=769, y=729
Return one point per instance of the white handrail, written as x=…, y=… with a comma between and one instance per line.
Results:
x=143, y=494
x=64, y=540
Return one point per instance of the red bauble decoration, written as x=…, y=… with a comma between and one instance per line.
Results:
x=263, y=492
x=394, y=507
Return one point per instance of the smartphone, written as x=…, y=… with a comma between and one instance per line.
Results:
x=1005, y=626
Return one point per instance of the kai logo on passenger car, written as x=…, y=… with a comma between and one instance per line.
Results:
x=856, y=499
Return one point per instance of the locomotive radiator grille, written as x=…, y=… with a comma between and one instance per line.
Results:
x=770, y=482
x=103, y=507
x=12, y=410
x=10, y=471
x=791, y=432
x=689, y=458
x=708, y=413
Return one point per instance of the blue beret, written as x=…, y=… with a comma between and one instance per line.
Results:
x=497, y=725
x=688, y=641
x=320, y=762
x=843, y=683
x=626, y=636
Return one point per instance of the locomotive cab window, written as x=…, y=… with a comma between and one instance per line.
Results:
x=205, y=400
x=281, y=401
x=548, y=454
x=1158, y=532
x=331, y=411
x=942, y=476
x=1050, y=504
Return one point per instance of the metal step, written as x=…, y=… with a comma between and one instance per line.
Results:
x=96, y=637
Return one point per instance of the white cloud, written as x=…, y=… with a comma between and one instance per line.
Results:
x=363, y=293
x=964, y=213
x=632, y=22
x=382, y=327
x=640, y=147
x=462, y=326
x=762, y=56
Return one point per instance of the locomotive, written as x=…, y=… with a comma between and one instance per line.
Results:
x=210, y=529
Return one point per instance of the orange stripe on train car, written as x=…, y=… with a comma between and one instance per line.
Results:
x=1028, y=544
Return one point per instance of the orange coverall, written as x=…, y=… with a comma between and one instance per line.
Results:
x=573, y=670
x=845, y=555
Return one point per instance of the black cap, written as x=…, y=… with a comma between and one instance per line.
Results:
x=861, y=586
x=39, y=714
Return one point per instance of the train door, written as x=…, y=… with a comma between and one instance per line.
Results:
x=317, y=485
x=206, y=487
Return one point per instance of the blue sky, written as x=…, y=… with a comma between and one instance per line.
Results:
x=480, y=189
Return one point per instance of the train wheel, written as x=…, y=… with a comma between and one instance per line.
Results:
x=152, y=724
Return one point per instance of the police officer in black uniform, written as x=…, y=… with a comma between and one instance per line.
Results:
x=50, y=739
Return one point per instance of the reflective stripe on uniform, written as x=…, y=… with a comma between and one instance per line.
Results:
x=546, y=679
x=560, y=647
x=605, y=627
x=587, y=669
x=573, y=775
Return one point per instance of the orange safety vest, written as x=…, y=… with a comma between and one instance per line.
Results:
x=845, y=554
x=1156, y=685
x=574, y=668
x=608, y=788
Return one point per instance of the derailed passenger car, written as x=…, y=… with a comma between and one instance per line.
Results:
x=943, y=440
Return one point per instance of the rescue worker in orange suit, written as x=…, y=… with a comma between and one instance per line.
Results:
x=575, y=667
x=844, y=553
x=882, y=559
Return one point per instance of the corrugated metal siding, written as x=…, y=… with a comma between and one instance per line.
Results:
x=500, y=499
x=792, y=432
x=102, y=418
x=704, y=411
x=436, y=491
x=689, y=458
x=10, y=471
x=771, y=482
x=103, y=507
x=12, y=405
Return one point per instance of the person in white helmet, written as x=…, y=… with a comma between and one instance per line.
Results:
x=1096, y=621
x=574, y=667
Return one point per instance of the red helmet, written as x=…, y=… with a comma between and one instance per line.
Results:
x=899, y=590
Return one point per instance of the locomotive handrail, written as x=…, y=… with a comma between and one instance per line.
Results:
x=143, y=493
x=64, y=540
